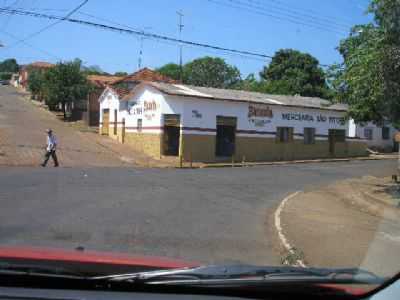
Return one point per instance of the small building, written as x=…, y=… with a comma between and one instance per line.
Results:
x=207, y=124
x=122, y=84
x=90, y=112
x=24, y=71
x=377, y=137
x=14, y=80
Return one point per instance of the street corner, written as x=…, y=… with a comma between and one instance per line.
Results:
x=343, y=224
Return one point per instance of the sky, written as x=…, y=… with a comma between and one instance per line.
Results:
x=262, y=26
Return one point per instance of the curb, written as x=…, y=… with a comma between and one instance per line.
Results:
x=284, y=241
x=293, y=162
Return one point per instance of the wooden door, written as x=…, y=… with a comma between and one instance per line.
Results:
x=105, y=121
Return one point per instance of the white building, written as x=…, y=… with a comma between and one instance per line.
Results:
x=376, y=137
x=207, y=124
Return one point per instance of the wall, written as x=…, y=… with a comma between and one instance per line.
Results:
x=377, y=141
x=256, y=135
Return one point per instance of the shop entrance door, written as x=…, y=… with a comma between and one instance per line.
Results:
x=226, y=134
x=171, y=135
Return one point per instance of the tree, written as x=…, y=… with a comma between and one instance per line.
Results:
x=211, y=72
x=369, y=77
x=120, y=74
x=170, y=70
x=9, y=65
x=250, y=83
x=35, y=83
x=292, y=72
x=65, y=84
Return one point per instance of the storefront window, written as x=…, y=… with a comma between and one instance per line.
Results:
x=309, y=136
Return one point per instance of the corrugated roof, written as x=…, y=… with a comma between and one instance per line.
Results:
x=243, y=96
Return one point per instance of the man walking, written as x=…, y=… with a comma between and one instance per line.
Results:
x=50, y=148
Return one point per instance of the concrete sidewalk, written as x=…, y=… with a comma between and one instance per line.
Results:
x=353, y=223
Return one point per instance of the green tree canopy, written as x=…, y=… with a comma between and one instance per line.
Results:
x=65, y=84
x=369, y=78
x=293, y=72
x=35, y=83
x=9, y=65
x=120, y=73
x=171, y=70
x=211, y=72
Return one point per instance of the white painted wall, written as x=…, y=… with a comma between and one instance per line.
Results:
x=377, y=140
x=203, y=113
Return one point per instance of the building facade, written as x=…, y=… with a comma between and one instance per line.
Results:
x=24, y=71
x=208, y=125
x=381, y=138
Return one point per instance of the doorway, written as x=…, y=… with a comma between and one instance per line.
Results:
x=335, y=136
x=105, y=121
x=225, y=139
x=171, y=135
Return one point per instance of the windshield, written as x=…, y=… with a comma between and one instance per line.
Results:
x=171, y=134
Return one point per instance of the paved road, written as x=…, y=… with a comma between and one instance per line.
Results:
x=22, y=138
x=207, y=215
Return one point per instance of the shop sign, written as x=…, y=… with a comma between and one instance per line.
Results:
x=196, y=114
x=259, y=110
x=296, y=116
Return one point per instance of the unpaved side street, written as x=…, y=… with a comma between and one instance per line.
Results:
x=23, y=138
x=352, y=223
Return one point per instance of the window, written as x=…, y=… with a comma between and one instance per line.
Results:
x=139, y=125
x=368, y=133
x=309, y=136
x=284, y=134
x=385, y=133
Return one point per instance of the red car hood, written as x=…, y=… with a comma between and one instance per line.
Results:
x=89, y=257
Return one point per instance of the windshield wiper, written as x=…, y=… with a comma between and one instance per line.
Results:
x=39, y=271
x=234, y=275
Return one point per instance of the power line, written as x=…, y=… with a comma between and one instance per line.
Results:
x=303, y=12
x=30, y=46
x=9, y=17
x=138, y=33
x=278, y=16
x=50, y=25
x=293, y=14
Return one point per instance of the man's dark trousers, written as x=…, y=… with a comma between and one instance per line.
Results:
x=53, y=155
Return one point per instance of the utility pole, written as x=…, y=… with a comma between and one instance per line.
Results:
x=180, y=27
x=141, y=48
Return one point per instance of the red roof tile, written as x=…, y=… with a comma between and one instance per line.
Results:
x=146, y=74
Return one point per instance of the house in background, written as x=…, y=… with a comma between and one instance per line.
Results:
x=379, y=138
x=24, y=71
x=90, y=111
x=14, y=80
x=120, y=85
